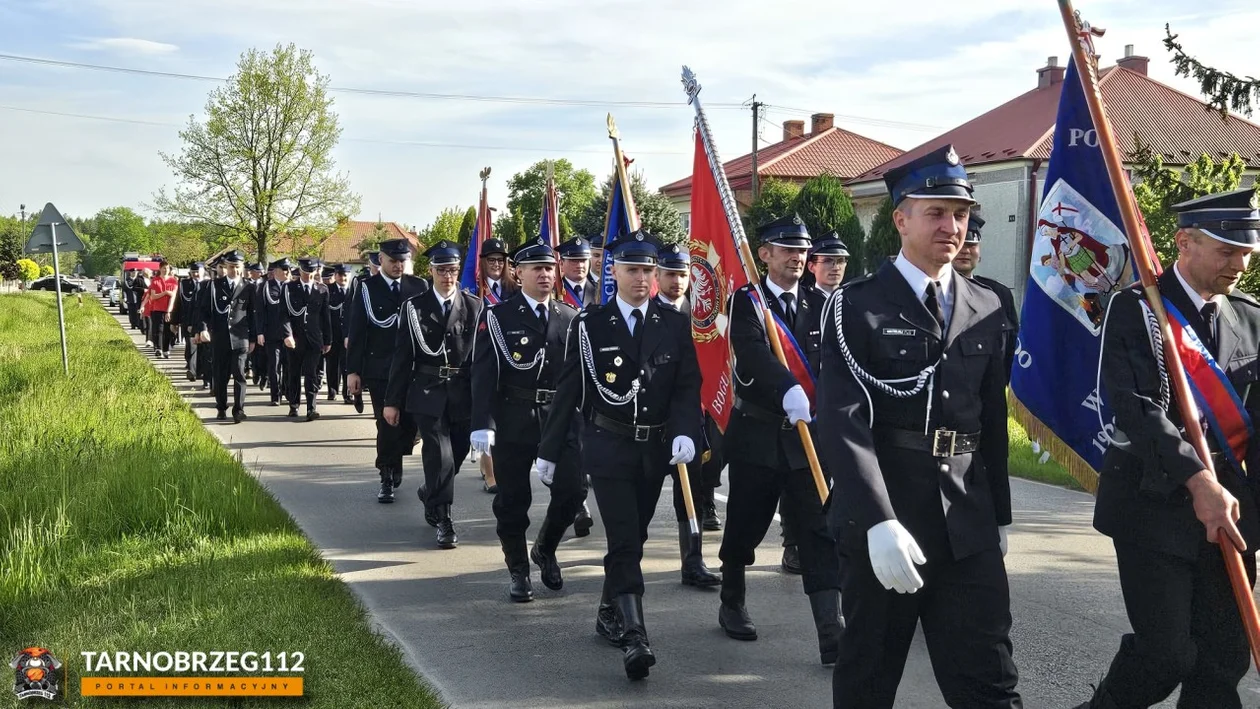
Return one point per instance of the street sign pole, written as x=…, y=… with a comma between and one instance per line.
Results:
x=43, y=239
x=61, y=312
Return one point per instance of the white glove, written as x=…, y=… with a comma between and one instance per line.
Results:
x=546, y=471
x=796, y=405
x=684, y=451
x=894, y=554
x=482, y=440
x=1002, y=544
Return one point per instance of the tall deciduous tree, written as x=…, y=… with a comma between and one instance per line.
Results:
x=466, y=227
x=118, y=231
x=444, y=227
x=261, y=162
x=777, y=198
x=657, y=213
x=884, y=239
x=11, y=243
x=824, y=206
x=575, y=188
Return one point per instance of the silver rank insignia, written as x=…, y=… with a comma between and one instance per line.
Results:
x=516, y=356
x=524, y=340
x=617, y=361
x=610, y=377
x=951, y=157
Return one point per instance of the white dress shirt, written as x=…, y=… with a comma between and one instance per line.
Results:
x=533, y=304
x=919, y=281
x=626, y=308
x=1195, y=298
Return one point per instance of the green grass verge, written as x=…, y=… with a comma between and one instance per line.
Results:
x=127, y=527
x=1024, y=463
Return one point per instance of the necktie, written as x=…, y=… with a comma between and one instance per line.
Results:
x=495, y=289
x=393, y=288
x=932, y=299
x=446, y=308
x=636, y=322
x=542, y=313
x=577, y=290
x=789, y=308
x=1208, y=312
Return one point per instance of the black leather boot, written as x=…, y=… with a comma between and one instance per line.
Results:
x=396, y=471
x=386, y=494
x=1102, y=699
x=826, y=609
x=694, y=571
x=607, y=624
x=520, y=590
x=582, y=523
x=791, y=560
x=732, y=615
x=430, y=513
x=446, y=537
x=544, y=554
x=638, y=656
x=710, y=521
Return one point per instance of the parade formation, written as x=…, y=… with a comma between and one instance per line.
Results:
x=868, y=410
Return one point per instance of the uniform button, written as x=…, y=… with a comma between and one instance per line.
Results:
x=944, y=394
x=902, y=352
x=944, y=356
x=944, y=467
x=979, y=345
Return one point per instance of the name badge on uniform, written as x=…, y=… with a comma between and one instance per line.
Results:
x=614, y=348
x=899, y=332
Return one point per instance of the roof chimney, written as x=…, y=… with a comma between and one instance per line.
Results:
x=793, y=129
x=820, y=122
x=1133, y=62
x=1051, y=73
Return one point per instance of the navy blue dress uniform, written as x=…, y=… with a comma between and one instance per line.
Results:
x=768, y=465
x=226, y=314
x=638, y=392
x=310, y=325
x=579, y=249
x=429, y=381
x=517, y=355
x=500, y=290
x=272, y=322
x=975, y=224
x=372, y=327
x=185, y=315
x=1186, y=626
x=256, y=363
x=334, y=361
x=675, y=257
x=914, y=415
x=134, y=286
x=831, y=246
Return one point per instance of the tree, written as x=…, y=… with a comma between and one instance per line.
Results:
x=657, y=213
x=824, y=206
x=884, y=239
x=11, y=244
x=777, y=199
x=261, y=163
x=118, y=230
x=1225, y=91
x=180, y=243
x=511, y=229
x=445, y=226
x=575, y=188
x=46, y=271
x=27, y=269
x=467, y=226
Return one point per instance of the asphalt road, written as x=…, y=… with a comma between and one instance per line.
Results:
x=448, y=610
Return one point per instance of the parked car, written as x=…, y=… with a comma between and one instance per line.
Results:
x=46, y=283
x=106, y=284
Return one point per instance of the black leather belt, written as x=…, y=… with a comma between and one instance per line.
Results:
x=760, y=413
x=638, y=433
x=442, y=372
x=529, y=396
x=941, y=443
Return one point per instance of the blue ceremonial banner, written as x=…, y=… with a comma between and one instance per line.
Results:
x=469, y=279
x=617, y=222
x=1079, y=257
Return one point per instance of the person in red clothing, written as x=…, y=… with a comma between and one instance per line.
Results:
x=160, y=300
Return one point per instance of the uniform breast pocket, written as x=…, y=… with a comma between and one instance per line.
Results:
x=900, y=356
x=976, y=352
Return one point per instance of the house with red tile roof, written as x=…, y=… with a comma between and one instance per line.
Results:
x=1006, y=151
x=798, y=157
x=342, y=245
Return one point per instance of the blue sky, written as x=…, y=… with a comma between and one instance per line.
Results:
x=917, y=62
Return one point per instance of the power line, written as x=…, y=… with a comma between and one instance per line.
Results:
x=527, y=100
x=381, y=141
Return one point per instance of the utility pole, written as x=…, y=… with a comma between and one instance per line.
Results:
x=756, y=181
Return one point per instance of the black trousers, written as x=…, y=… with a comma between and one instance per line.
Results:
x=277, y=366
x=965, y=609
x=1186, y=630
x=711, y=470
x=626, y=477
x=699, y=490
x=512, y=463
x=160, y=332
x=133, y=312
x=332, y=366
x=228, y=363
x=755, y=491
x=194, y=354
x=443, y=447
x=392, y=442
x=304, y=361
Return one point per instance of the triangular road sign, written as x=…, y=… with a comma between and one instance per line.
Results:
x=40, y=241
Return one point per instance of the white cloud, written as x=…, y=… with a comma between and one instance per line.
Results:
x=126, y=45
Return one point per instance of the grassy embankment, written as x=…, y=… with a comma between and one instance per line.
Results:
x=125, y=526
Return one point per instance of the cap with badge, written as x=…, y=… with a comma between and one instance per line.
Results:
x=254, y=266
x=638, y=248
x=534, y=252
x=397, y=249
x=1230, y=217
x=788, y=231
x=443, y=253
x=233, y=256
x=374, y=258
x=936, y=175
x=308, y=264
x=326, y=271
x=197, y=265
x=673, y=257
x=490, y=247
x=281, y=264
x=344, y=268
x=575, y=249
x=975, y=223
x=829, y=245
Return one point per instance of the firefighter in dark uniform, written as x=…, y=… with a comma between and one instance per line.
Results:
x=517, y=356
x=1162, y=509
x=673, y=278
x=373, y=332
x=185, y=315
x=631, y=373
x=373, y=267
x=499, y=284
x=309, y=335
x=225, y=320
x=256, y=363
x=965, y=263
x=768, y=464
x=272, y=326
x=578, y=285
x=334, y=361
x=913, y=405
x=134, y=286
x=429, y=382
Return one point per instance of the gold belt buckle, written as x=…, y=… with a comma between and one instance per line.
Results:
x=940, y=436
